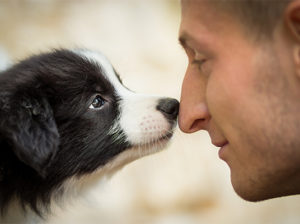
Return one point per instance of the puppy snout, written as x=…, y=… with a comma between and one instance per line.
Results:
x=169, y=107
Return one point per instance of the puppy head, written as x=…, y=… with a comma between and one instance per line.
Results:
x=67, y=114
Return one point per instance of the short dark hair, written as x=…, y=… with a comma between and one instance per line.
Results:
x=258, y=16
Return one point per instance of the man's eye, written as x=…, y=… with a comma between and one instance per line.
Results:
x=97, y=103
x=199, y=63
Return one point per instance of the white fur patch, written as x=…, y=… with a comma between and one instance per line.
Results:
x=5, y=61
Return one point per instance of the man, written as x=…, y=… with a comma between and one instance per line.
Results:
x=242, y=85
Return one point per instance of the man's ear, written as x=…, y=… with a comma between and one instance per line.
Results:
x=292, y=20
x=30, y=130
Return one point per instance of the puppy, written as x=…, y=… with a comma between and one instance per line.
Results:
x=66, y=120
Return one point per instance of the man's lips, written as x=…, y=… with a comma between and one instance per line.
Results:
x=220, y=143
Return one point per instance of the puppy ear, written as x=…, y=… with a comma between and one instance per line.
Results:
x=31, y=131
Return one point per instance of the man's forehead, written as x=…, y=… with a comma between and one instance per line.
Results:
x=192, y=30
x=195, y=3
x=200, y=19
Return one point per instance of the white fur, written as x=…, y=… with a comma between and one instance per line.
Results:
x=5, y=61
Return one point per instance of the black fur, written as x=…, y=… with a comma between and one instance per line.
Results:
x=47, y=133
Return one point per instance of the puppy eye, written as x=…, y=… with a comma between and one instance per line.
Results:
x=97, y=103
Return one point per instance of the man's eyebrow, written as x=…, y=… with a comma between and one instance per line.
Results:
x=182, y=41
x=183, y=38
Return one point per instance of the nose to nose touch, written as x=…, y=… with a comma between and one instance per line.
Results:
x=169, y=107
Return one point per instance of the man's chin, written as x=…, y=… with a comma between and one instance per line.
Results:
x=249, y=196
x=250, y=190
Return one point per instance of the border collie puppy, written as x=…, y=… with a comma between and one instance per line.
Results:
x=66, y=120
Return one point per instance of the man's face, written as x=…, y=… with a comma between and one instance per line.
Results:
x=242, y=93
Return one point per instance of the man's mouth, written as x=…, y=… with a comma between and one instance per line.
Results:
x=220, y=143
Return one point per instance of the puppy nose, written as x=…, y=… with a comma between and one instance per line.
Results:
x=169, y=107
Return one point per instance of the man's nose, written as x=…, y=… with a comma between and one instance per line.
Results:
x=193, y=117
x=193, y=112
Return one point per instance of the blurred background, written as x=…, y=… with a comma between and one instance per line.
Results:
x=185, y=184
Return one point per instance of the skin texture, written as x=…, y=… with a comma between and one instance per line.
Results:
x=245, y=93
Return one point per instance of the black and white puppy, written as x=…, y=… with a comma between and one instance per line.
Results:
x=66, y=118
